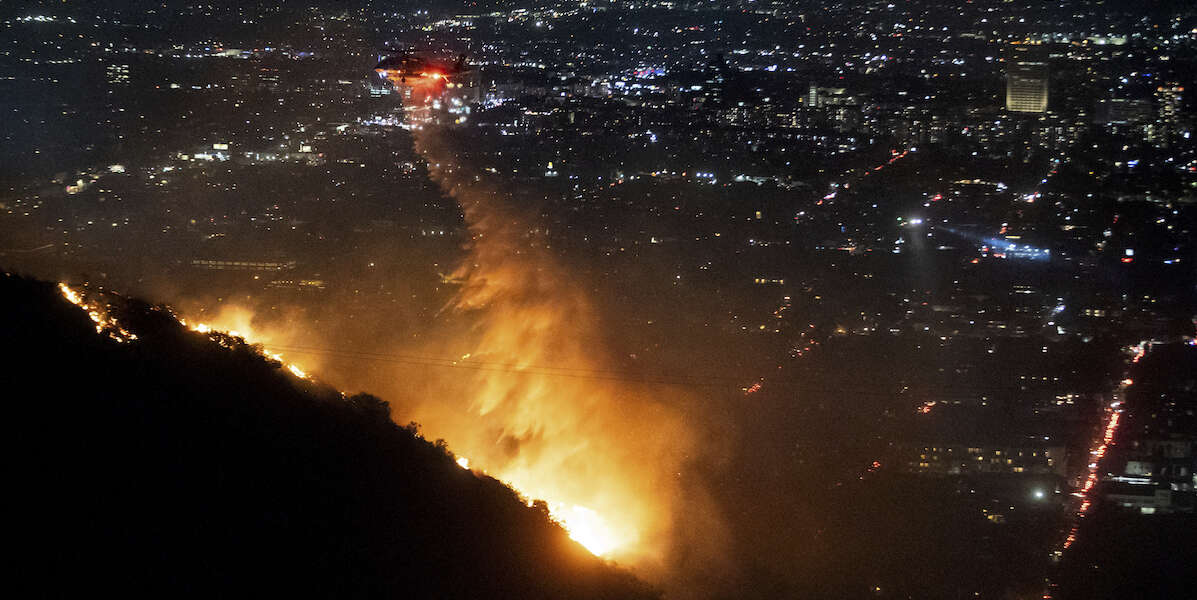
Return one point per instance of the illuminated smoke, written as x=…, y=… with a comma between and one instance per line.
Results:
x=97, y=310
x=605, y=454
x=240, y=321
x=531, y=398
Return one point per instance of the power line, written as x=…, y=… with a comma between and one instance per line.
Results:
x=672, y=379
x=515, y=368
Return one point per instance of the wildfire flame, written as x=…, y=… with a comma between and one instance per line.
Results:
x=239, y=322
x=587, y=528
x=275, y=356
x=582, y=524
x=105, y=323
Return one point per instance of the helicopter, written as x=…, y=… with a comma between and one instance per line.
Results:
x=408, y=68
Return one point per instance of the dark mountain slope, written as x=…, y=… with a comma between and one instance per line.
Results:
x=173, y=466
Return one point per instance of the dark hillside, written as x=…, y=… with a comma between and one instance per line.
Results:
x=172, y=466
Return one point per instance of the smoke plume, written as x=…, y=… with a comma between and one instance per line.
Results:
x=540, y=408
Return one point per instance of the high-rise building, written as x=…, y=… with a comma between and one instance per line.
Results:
x=1026, y=80
x=1166, y=127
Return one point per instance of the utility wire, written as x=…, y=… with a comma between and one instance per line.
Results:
x=674, y=379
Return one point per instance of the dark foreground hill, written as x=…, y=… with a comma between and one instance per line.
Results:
x=172, y=466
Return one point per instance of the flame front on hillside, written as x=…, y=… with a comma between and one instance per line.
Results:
x=584, y=525
x=98, y=314
x=546, y=473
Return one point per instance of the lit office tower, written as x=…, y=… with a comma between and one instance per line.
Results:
x=1166, y=126
x=1026, y=81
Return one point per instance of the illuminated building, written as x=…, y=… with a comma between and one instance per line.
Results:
x=303, y=285
x=767, y=280
x=1168, y=100
x=117, y=74
x=1026, y=81
x=956, y=459
x=242, y=265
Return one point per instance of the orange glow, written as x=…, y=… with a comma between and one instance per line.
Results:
x=586, y=525
x=401, y=80
x=249, y=339
x=105, y=323
x=587, y=528
x=605, y=455
x=238, y=321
